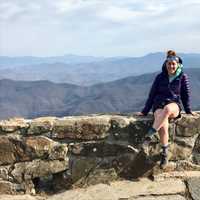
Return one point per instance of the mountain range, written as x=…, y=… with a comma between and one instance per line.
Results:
x=32, y=99
x=85, y=70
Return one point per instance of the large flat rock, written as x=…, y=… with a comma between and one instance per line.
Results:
x=21, y=197
x=125, y=189
x=194, y=187
x=168, y=197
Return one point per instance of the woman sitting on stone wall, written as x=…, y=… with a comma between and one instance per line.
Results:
x=169, y=89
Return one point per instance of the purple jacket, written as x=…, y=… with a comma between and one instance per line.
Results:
x=178, y=91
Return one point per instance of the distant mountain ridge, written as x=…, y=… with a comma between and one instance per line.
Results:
x=33, y=60
x=81, y=70
x=31, y=99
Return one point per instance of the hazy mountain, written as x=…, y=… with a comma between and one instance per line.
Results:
x=10, y=62
x=90, y=71
x=40, y=98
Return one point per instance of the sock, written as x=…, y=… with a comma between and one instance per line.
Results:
x=151, y=132
x=165, y=149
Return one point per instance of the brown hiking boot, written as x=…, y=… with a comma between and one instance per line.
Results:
x=163, y=161
x=145, y=145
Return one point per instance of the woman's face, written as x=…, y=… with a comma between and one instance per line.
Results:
x=172, y=67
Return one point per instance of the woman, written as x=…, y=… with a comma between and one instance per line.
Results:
x=170, y=88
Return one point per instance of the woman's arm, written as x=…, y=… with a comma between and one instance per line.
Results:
x=152, y=93
x=186, y=94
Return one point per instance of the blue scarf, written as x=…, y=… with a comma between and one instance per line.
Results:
x=177, y=73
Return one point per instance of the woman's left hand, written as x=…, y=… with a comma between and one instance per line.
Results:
x=194, y=114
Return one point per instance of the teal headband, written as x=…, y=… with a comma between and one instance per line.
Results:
x=173, y=58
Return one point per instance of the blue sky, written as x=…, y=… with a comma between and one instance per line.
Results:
x=98, y=27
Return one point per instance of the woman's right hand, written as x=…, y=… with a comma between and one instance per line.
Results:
x=140, y=114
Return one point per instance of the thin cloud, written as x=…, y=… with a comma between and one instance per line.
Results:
x=97, y=27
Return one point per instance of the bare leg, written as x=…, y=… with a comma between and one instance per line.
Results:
x=164, y=137
x=161, y=119
x=161, y=124
x=164, y=134
x=163, y=131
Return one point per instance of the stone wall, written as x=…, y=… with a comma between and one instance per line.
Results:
x=61, y=153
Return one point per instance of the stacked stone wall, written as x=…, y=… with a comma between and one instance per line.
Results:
x=77, y=151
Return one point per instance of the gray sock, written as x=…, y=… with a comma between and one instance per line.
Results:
x=151, y=132
x=165, y=149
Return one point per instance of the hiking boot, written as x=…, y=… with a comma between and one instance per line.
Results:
x=147, y=140
x=145, y=145
x=163, y=160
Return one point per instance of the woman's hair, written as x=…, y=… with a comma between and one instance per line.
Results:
x=171, y=53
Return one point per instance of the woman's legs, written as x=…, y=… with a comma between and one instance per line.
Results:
x=164, y=135
x=161, y=123
x=163, y=131
x=161, y=116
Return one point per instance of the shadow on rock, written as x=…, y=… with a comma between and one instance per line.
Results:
x=141, y=166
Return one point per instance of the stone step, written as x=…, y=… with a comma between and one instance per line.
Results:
x=21, y=197
x=125, y=190
x=167, y=197
x=143, y=189
x=177, y=174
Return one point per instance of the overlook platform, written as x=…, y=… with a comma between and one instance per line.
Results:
x=50, y=154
